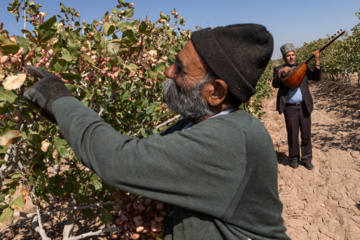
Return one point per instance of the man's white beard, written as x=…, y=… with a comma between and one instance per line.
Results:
x=189, y=104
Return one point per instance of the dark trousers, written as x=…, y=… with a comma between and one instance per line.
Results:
x=298, y=118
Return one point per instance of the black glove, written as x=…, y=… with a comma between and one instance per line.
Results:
x=45, y=91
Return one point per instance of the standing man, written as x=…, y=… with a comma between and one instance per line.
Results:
x=216, y=169
x=297, y=105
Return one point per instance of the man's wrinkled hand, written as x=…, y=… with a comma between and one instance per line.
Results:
x=46, y=91
x=283, y=71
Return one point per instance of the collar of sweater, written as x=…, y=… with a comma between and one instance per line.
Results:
x=226, y=111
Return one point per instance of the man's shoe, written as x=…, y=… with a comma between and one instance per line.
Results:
x=308, y=165
x=294, y=164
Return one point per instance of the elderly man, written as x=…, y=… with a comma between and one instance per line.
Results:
x=216, y=169
x=297, y=105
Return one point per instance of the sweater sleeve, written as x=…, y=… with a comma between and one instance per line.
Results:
x=314, y=75
x=277, y=82
x=184, y=168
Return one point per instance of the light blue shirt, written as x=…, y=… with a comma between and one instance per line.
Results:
x=295, y=96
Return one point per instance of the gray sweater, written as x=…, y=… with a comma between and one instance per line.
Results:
x=219, y=177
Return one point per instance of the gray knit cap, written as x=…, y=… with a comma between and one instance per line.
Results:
x=287, y=47
x=237, y=54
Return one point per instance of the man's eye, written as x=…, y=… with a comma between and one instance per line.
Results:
x=178, y=67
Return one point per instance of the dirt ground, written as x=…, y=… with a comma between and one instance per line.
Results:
x=322, y=204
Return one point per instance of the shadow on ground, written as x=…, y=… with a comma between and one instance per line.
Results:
x=282, y=158
x=342, y=101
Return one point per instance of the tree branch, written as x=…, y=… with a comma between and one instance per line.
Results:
x=30, y=215
x=89, y=234
x=70, y=222
x=36, y=223
x=160, y=125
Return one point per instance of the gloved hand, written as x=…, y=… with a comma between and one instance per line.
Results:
x=45, y=91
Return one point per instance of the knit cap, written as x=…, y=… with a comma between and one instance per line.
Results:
x=237, y=54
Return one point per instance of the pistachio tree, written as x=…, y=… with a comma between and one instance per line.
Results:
x=114, y=66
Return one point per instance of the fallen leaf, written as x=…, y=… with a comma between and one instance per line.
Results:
x=13, y=82
x=24, y=194
x=18, y=203
x=56, y=155
x=45, y=145
x=9, y=137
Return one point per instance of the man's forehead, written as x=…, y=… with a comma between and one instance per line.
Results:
x=290, y=53
x=189, y=54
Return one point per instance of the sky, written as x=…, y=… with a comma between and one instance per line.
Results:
x=288, y=21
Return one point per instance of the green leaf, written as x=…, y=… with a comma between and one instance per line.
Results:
x=7, y=96
x=2, y=207
x=94, y=177
x=108, y=28
x=18, y=203
x=151, y=74
x=70, y=76
x=143, y=132
x=48, y=23
x=129, y=13
x=126, y=95
x=5, y=215
x=126, y=25
x=144, y=28
x=17, y=175
x=74, y=49
x=105, y=216
x=45, y=30
x=48, y=35
x=60, y=146
x=9, y=49
x=113, y=48
x=65, y=55
x=3, y=149
x=145, y=103
x=164, y=16
x=23, y=42
x=68, y=187
x=58, y=64
x=2, y=197
x=88, y=59
x=129, y=38
x=96, y=184
x=161, y=76
x=56, y=191
x=160, y=67
x=97, y=37
x=89, y=213
x=62, y=7
x=29, y=35
x=131, y=66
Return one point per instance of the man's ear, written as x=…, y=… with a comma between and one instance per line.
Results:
x=215, y=92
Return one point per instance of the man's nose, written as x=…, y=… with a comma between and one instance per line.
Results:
x=170, y=72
